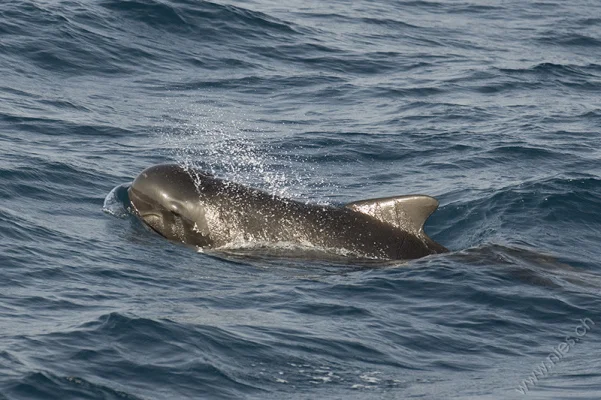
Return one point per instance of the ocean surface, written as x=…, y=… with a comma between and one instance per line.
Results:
x=492, y=107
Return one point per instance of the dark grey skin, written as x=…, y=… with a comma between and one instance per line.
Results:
x=198, y=209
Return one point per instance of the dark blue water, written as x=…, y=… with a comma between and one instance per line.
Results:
x=492, y=107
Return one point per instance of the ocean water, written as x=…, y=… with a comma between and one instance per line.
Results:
x=493, y=107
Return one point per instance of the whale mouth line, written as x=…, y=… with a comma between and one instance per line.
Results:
x=143, y=215
x=148, y=215
x=151, y=219
x=146, y=218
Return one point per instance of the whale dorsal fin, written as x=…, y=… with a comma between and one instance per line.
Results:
x=405, y=212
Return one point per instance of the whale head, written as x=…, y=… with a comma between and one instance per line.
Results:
x=166, y=198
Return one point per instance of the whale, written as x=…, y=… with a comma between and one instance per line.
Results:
x=184, y=204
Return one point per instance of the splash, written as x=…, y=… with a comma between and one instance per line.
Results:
x=307, y=251
x=236, y=149
x=116, y=203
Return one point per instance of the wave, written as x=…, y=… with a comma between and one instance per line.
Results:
x=535, y=213
x=200, y=17
x=570, y=40
x=560, y=70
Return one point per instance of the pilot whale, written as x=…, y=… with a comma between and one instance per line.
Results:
x=186, y=205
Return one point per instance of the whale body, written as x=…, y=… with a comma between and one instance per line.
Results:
x=189, y=206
